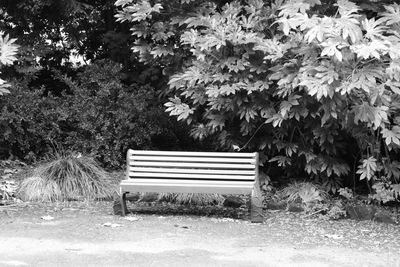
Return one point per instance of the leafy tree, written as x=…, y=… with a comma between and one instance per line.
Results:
x=59, y=36
x=314, y=85
x=52, y=30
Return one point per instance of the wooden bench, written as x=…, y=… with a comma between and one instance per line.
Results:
x=193, y=172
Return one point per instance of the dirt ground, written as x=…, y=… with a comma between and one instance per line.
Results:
x=76, y=234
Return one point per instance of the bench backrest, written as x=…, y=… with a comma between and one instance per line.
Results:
x=206, y=167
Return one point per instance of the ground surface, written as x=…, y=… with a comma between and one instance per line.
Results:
x=77, y=234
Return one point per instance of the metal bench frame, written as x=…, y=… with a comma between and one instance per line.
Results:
x=193, y=172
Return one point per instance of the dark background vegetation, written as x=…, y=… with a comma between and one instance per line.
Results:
x=113, y=100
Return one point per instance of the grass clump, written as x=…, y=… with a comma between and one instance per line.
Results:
x=192, y=199
x=67, y=177
x=36, y=188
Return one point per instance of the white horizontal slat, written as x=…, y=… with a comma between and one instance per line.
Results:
x=191, y=153
x=203, y=171
x=190, y=172
x=136, y=175
x=192, y=159
x=150, y=182
x=193, y=165
x=186, y=189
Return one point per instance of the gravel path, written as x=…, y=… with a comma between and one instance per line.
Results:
x=79, y=235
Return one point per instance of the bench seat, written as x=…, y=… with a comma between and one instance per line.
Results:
x=191, y=172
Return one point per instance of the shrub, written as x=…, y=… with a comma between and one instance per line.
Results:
x=99, y=116
x=313, y=85
x=110, y=117
x=303, y=192
x=30, y=123
x=67, y=177
x=385, y=192
x=336, y=212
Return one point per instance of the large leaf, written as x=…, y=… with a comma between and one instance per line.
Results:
x=319, y=30
x=392, y=136
x=346, y=8
x=176, y=108
x=3, y=87
x=137, y=12
x=392, y=14
x=8, y=50
x=374, y=28
x=367, y=169
x=373, y=116
x=373, y=49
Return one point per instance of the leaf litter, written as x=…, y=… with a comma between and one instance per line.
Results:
x=364, y=235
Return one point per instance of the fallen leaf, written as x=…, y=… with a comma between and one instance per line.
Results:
x=223, y=220
x=14, y=263
x=132, y=219
x=181, y=226
x=336, y=237
x=47, y=218
x=73, y=249
x=112, y=225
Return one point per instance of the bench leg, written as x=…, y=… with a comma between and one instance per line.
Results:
x=256, y=205
x=124, y=208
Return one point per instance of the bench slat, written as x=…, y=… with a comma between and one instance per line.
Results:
x=189, y=153
x=200, y=171
x=186, y=181
x=136, y=175
x=186, y=189
x=192, y=159
x=192, y=165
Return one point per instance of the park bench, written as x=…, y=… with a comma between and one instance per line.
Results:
x=193, y=172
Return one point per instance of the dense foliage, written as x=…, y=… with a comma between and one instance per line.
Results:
x=100, y=116
x=110, y=117
x=314, y=85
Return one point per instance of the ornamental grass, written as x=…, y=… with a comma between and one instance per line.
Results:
x=67, y=177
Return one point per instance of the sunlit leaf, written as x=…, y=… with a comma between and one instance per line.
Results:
x=374, y=29
x=367, y=169
x=8, y=50
x=392, y=136
x=392, y=14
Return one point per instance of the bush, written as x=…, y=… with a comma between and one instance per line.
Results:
x=30, y=123
x=67, y=177
x=111, y=117
x=99, y=116
x=303, y=192
x=313, y=85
